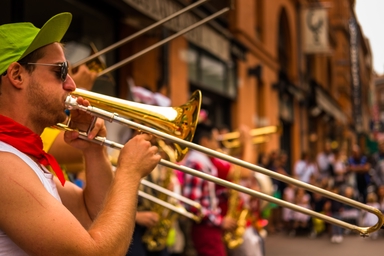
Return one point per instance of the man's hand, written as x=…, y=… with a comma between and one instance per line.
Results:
x=244, y=135
x=83, y=77
x=147, y=219
x=139, y=155
x=228, y=224
x=81, y=121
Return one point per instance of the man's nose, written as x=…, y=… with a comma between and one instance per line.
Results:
x=69, y=84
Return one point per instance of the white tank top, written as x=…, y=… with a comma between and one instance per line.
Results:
x=7, y=246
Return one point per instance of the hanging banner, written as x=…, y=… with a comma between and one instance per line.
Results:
x=355, y=75
x=315, y=30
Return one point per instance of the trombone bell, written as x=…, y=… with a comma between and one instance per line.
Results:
x=179, y=121
x=96, y=65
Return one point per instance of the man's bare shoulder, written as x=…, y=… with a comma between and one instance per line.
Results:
x=18, y=182
x=28, y=210
x=12, y=167
x=9, y=163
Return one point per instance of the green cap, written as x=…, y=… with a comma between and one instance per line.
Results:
x=17, y=40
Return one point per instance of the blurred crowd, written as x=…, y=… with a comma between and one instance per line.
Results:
x=353, y=174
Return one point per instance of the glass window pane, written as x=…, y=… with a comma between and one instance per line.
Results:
x=192, y=60
x=213, y=73
x=231, y=81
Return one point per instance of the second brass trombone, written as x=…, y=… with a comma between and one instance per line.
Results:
x=231, y=140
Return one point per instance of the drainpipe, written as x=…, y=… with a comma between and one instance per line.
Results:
x=301, y=77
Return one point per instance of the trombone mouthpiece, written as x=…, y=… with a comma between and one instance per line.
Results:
x=71, y=103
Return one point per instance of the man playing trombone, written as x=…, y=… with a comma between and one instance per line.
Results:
x=41, y=214
x=207, y=235
x=245, y=240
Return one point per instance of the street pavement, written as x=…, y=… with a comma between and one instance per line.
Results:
x=352, y=245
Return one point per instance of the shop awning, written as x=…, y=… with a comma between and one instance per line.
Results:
x=328, y=105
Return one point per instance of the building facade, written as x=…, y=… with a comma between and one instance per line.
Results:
x=302, y=65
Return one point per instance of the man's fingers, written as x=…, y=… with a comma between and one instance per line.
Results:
x=146, y=136
x=98, y=125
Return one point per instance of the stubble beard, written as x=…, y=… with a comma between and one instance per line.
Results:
x=47, y=110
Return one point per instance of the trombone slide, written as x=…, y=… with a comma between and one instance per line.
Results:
x=364, y=231
x=170, y=193
x=166, y=40
x=179, y=210
x=137, y=34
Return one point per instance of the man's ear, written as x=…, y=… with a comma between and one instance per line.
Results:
x=15, y=74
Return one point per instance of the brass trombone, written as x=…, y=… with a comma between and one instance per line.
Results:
x=259, y=135
x=179, y=121
x=99, y=100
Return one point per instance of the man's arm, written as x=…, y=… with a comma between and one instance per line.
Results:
x=86, y=203
x=247, y=154
x=41, y=225
x=359, y=168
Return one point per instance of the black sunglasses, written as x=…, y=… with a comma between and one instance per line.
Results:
x=63, y=68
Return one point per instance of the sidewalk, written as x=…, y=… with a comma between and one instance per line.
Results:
x=352, y=245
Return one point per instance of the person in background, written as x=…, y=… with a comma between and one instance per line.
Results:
x=325, y=160
x=206, y=235
x=317, y=204
x=301, y=220
x=287, y=213
x=263, y=160
x=359, y=166
x=148, y=215
x=41, y=213
x=340, y=169
x=349, y=213
x=369, y=219
x=251, y=224
x=378, y=165
x=276, y=222
x=305, y=169
x=335, y=208
x=380, y=197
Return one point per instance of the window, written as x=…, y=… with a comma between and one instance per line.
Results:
x=211, y=73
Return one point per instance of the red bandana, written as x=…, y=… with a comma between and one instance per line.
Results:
x=28, y=142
